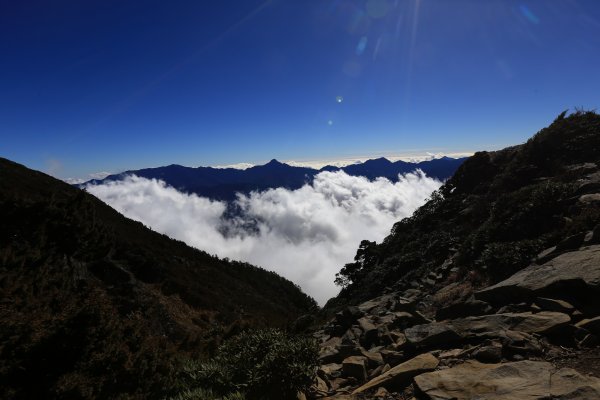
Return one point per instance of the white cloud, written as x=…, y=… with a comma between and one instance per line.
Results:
x=99, y=175
x=95, y=175
x=305, y=235
x=234, y=166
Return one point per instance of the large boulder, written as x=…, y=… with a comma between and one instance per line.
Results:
x=526, y=380
x=484, y=325
x=401, y=374
x=574, y=275
x=431, y=335
x=356, y=367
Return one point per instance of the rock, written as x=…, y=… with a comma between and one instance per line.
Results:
x=432, y=334
x=526, y=380
x=339, y=383
x=321, y=385
x=392, y=357
x=589, y=341
x=575, y=275
x=381, y=393
x=384, y=301
x=591, y=325
x=355, y=366
x=571, y=243
x=401, y=374
x=489, y=354
x=331, y=370
x=546, y=255
x=463, y=309
x=370, y=331
x=301, y=396
x=373, y=359
x=590, y=198
x=542, y=322
x=348, y=316
x=554, y=305
x=335, y=354
x=352, y=335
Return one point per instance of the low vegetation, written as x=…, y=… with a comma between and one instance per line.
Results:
x=255, y=365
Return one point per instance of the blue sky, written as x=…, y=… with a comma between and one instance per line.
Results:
x=89, y=86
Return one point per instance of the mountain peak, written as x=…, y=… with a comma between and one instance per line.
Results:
x=274, y=162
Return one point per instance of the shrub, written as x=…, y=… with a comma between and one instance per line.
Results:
x=264, y=364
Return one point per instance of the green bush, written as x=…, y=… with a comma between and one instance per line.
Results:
x=264, y=364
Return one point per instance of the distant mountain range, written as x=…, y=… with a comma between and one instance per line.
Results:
x=224, y=183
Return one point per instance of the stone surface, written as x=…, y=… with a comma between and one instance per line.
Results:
x=369, y=330
x=401, y=374
x=554, y=305
x=592, y=325
x=356, y=367
x=576, y=273
x=432, y=334
x=542, y=322
x=526, y=380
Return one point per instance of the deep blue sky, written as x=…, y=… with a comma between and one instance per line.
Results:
x=108, y=85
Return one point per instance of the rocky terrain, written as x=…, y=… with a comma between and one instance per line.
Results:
x=490, y=291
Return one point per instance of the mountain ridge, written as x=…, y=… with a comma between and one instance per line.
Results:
x=225, y=183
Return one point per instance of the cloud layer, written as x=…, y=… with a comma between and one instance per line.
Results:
x=305, y=235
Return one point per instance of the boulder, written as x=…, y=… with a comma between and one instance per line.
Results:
x=526, y=380
x=489, y=354
x=432, y=334
x=554, y=305
x=591, y=325
x=356, y=367
x=484, y=325
x=401, y=374
x=331, y=370
x=575, y=275
x=463, y=309
x=348, y=316
x=370, y=331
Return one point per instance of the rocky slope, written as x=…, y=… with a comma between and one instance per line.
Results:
x=490, y=291
x=94, y=305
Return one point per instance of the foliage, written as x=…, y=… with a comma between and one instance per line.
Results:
x=261, y=364
x=95, y=305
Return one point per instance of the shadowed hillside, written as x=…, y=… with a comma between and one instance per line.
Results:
x=94, y=305
x=497, y=212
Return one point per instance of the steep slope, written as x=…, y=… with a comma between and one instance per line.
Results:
x=493, y=216
x=94, y=305
x=491, y=290
x=224, y=184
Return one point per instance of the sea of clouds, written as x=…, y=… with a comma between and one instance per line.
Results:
x=305, y=235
